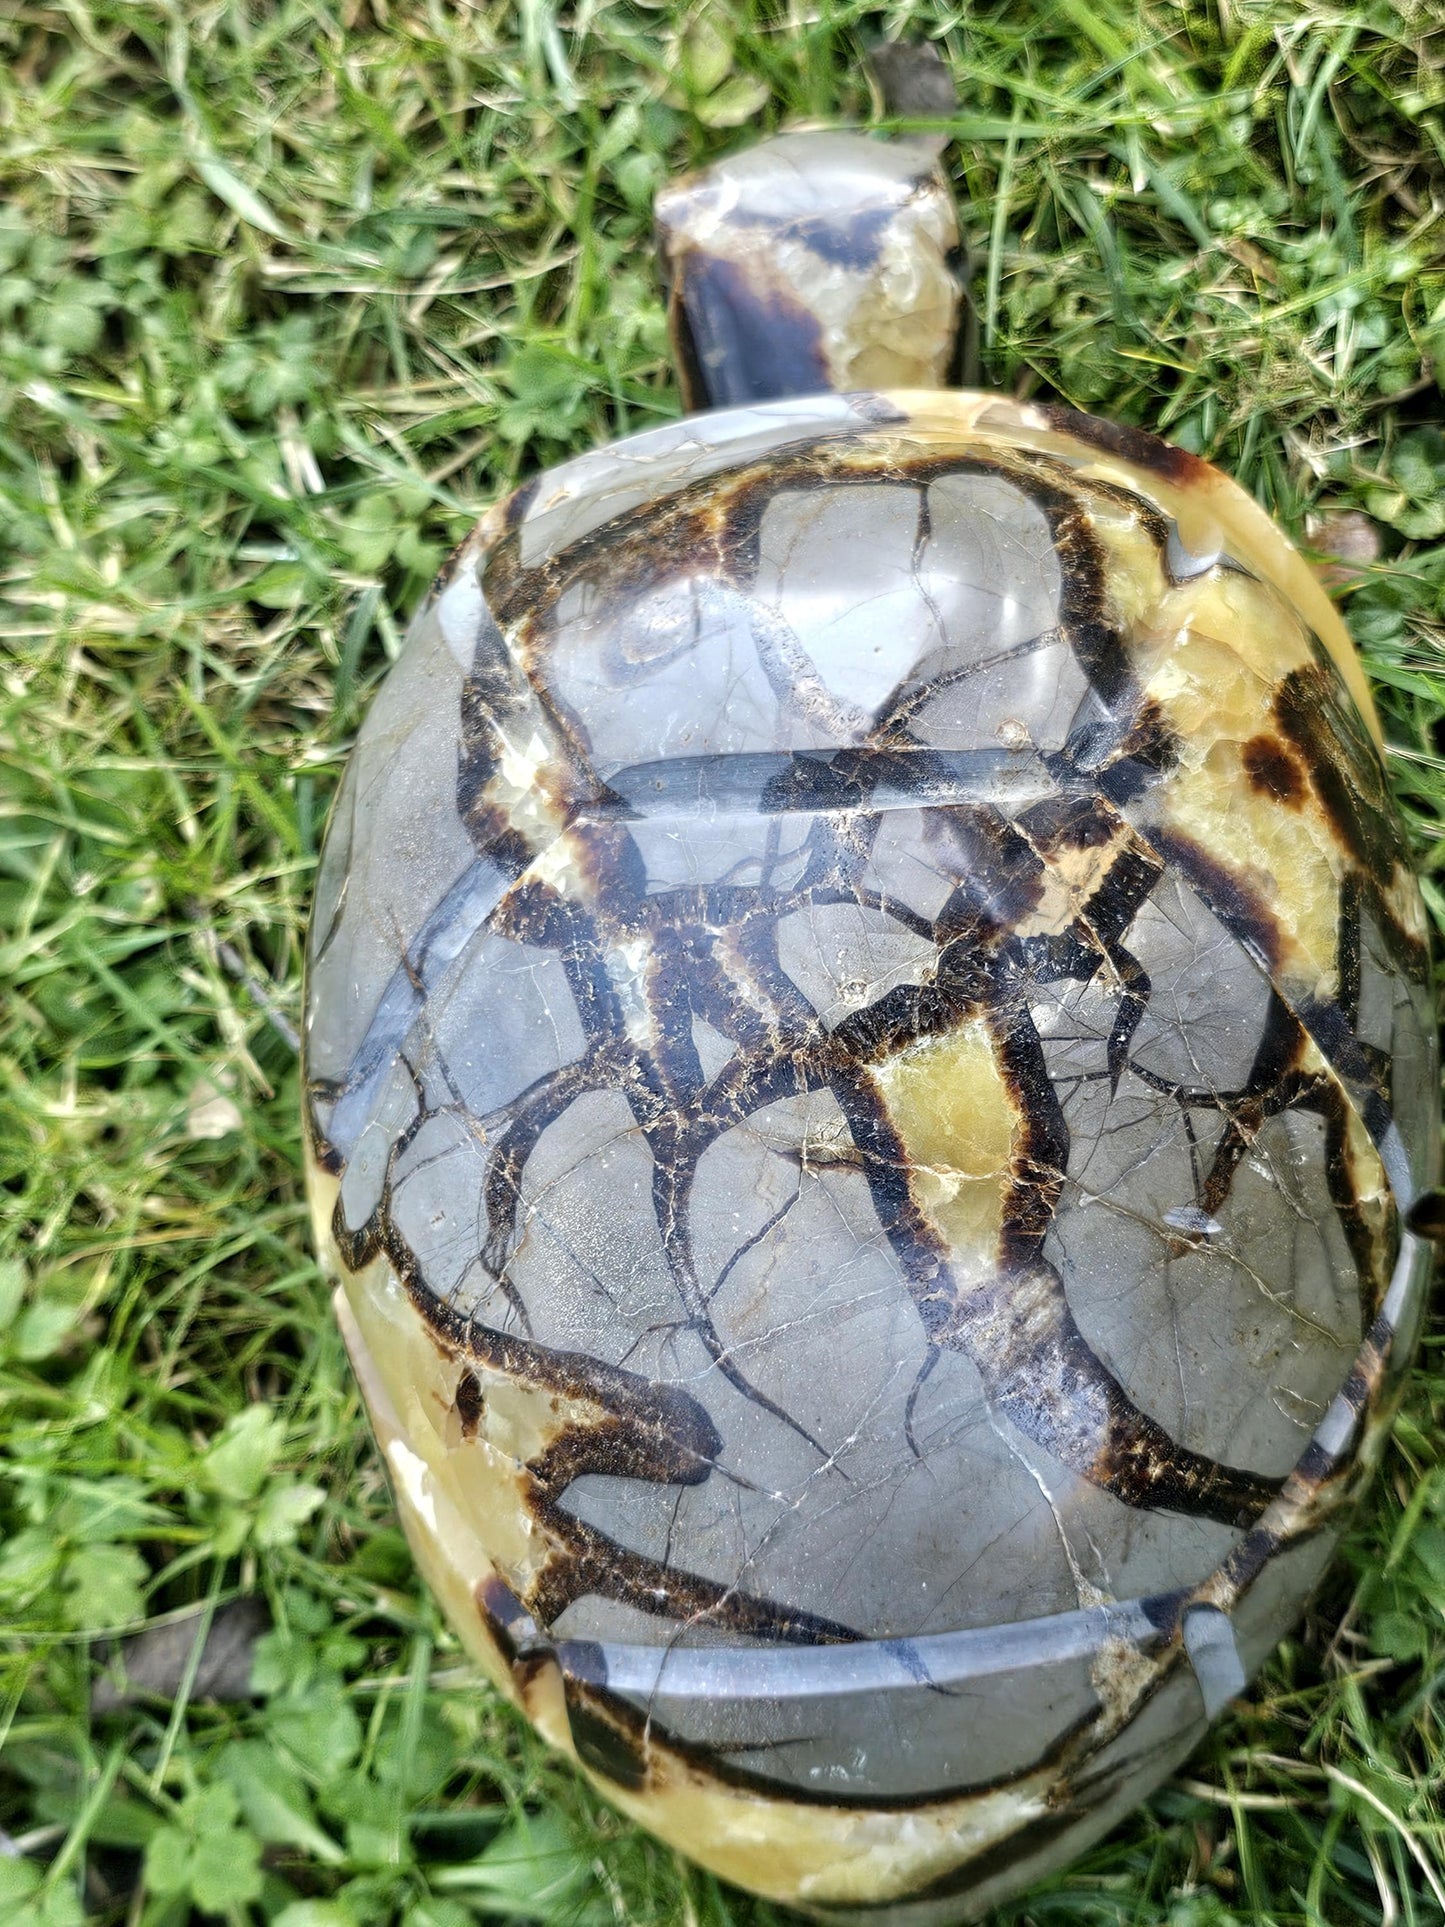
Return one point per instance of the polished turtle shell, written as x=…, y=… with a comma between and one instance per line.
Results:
x=869, y=1055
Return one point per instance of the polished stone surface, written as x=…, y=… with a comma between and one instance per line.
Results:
x=866, y=993
x=819, y=260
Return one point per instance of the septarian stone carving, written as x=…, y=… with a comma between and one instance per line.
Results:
x=868, y=1050
x=868, y=1028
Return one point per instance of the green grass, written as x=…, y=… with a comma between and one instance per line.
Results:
x=287, y=292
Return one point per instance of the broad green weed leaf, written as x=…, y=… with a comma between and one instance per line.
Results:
x=369, y=532
x=373, y=1815
x=281, y=585
x=274, y=1799
x=103, y=1587
x=237, y=1464
x=531, y=1871
x=123, y=1822
x=212, y=1809
x=95, y=1511
x=27, y=1561
x=738, y=100
x=321, y=1731
x=707, y=56
x=41, y=1328
x=19, y=1878
x=59, y=1908
x=1399, y=1636
x=1415, y=503
x=436, y=1912
x=225, y=1870
x=282, y=1663
x=283, y=1511
x=203, y=1853
x=548, y=385
x=1428, y=1546
x=168, y=1861
x=319, y=1913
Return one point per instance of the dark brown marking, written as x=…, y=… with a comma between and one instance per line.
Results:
x=327, y=1157
x=651, y=1431
x=610, y=1746
x=853, y=243
x=1273, y=771
x=1148, y=750
x=1356, y=1389
x=1275, y=1082
x=1144, y=1467
x=1070, y=822
x=1317, y=716
x=999, y=879
x=356, y=1249
x=1350, y=788
x=469, y=1403
x=743, y=344
x=587, y=1560
x=1135, y=445
x=1350, y=947
x=1373, y=1250
x=1426, y=1216
x=1041, y=1153
x=519, y=501
x=691, y=375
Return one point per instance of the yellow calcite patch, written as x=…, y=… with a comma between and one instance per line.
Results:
x=1261, y=633
x=1372, y=1190
x=486, y=1476
x=1212, y=659
x=439, y=1511
x=1134, y=576
x=322, y=1191
x=957, y=1119
x=1288, y=859
x=899, y=332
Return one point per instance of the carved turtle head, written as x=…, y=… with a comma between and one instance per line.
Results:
x=868, y=1053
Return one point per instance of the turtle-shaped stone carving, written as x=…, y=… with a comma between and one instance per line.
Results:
x=869, y=1056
